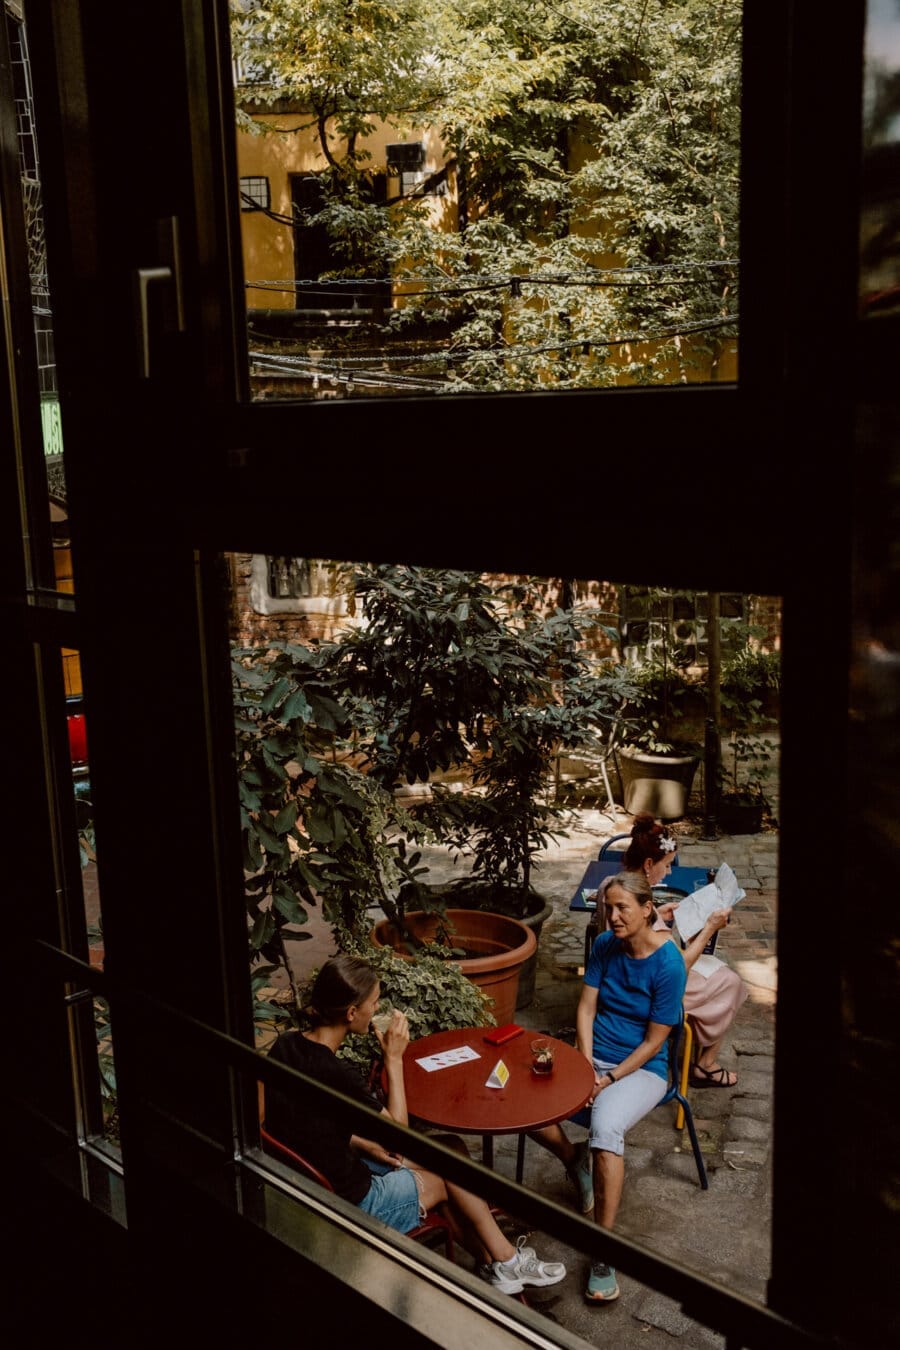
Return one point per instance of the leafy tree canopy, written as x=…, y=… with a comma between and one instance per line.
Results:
x=583, y=136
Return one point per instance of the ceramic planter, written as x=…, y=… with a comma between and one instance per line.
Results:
x=660, y=784
x=498, y=948
x=469, y=893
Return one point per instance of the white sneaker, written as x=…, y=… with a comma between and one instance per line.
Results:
x=511, y=1276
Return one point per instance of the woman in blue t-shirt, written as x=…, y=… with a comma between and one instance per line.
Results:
x=630, y=1000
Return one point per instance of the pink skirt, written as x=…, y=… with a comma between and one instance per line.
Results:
x=712, y=1003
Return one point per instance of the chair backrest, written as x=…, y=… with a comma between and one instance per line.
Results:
x=607, y=851
x=280, y=1150
x=607, y=848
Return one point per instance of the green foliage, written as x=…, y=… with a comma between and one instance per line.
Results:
x=451, y=672
x=750, y=676
x=746, y=681
x=314, y=828
x=443, y=672
x=655, y=708
x=749, y=767
x=433, y=993
x=433, y=662
x=671, y=690
x=579, y=138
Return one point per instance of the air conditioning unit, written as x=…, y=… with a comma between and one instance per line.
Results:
x=405, y=156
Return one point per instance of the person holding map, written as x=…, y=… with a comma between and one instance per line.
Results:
x=714, y=991
x=389, y=1187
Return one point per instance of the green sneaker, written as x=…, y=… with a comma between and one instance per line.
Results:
x=581, y=1175
x=601, y=1285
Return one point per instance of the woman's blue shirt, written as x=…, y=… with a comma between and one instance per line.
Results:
x=631, y=993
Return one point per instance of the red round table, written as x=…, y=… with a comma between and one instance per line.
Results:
x=457, y=1098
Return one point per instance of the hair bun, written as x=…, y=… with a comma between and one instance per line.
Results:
x=644, y=823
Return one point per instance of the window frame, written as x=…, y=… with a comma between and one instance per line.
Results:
x=209, y=489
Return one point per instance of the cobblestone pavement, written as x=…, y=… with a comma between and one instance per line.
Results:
x=722, y=1233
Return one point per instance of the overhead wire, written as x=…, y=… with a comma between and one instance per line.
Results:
x=641, y=276
x=357, y=369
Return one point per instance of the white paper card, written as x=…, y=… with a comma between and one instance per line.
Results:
x=693, y=911
x=447, y=1058
x=499, y=1075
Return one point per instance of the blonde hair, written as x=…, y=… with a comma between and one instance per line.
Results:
x=637, y=885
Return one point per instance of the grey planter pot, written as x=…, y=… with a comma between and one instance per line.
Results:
x=660, y=784
x=740, y=817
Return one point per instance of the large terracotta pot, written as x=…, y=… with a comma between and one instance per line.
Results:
x=499, y=948
x=468, y=893
x=528, y=974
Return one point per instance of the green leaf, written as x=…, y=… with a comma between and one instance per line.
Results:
x=289, y=907
x=286, y=818
x=297, y=705
x=262, y=931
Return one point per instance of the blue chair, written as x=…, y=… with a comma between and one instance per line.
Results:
x=606, y=849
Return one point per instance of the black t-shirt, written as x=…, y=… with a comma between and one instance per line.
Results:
x=306, y=1126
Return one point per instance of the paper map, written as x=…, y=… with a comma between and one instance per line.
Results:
x=693, y=911
x=447, y=1058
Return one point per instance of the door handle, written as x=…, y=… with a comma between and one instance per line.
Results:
x=145, y=277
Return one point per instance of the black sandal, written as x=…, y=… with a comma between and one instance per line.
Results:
x=712, y=1078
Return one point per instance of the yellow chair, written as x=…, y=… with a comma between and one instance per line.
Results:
x=678, y=1066
x=687, y=1048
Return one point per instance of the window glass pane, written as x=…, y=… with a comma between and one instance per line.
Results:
x=50, y=429
x=461, y=198
x=96, y=1071
x=382, y=764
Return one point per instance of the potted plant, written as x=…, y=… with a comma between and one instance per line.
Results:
x=489, y=949
x=656, y=767
x=749, y=683
x=551, y=698
x=450, y=673
x=444, y=673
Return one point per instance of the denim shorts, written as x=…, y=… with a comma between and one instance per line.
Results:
x=393, y=1196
